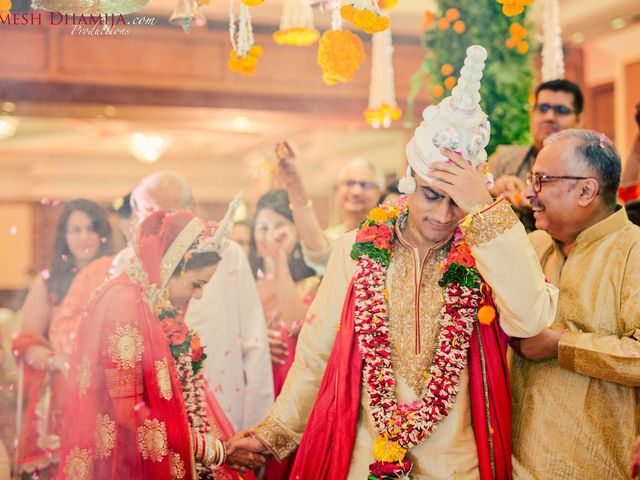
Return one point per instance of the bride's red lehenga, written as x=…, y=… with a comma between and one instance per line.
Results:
x=136, y=396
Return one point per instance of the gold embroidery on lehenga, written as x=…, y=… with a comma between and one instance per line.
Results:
x=84, y=375
x=406, y=363
x=152, y=440
x=126, y=346
x=124, y=383
x=78, y=464
x=176, y=466
x=163, y=377
x=105, y=435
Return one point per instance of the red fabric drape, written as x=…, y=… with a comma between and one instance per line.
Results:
x=494, y=349
x=117, y=409
x=327, y=442
x=31, y=454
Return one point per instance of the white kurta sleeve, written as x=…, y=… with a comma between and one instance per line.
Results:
x=527, y=303
x=283, y=427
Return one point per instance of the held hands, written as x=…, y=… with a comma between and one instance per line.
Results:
x=465, y=184
x=541, y=347
x=245, y=452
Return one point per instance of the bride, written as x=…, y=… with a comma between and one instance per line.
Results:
x=137, y=404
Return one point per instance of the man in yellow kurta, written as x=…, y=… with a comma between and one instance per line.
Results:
x=399, y=310
x=575, y=386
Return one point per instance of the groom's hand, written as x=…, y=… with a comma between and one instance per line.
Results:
x=465, y=184
x=245, y=452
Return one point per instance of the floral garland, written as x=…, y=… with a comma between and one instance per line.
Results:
x=366, y=15
x=402, y=426
x=340, y=54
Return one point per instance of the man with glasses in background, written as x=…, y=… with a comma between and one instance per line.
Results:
x=558, y=106
x=575, y=385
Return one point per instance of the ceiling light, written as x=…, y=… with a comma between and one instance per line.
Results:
x=618, y=23
x=148, y=148
x=8, y=127
x=241, y=123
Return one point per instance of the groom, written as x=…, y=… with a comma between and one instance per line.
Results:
x=409, y=373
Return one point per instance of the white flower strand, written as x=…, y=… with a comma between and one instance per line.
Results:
x=336, y=18
x=245, y=31
x=232, y=26
x=552, y=56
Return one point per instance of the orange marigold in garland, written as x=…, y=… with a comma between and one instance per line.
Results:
x=486, y=314
x=459, y=26
x=382, y=117
x=246, y=64
x=437, y=91
x=446, y=69
x=450, y=82
x=518, y=33
x=443, y=23
x=387, y=4
x=365, y=19
x=297, y=37
x=513, y=7
x=340, y=55
x=452, y=14
x=428, y=20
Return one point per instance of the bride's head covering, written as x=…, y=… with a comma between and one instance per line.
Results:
x=163, y=239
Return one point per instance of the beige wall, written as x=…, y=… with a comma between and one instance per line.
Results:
x=16, y=233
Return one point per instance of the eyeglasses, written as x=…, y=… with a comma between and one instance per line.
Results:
x=561, y=110
x=536, y=179
x=363, y=185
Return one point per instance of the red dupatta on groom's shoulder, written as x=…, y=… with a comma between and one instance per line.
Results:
x=327, y=443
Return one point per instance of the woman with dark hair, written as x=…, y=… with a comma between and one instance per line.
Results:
x=138, y=406
x=83, y=235
x=286, y=285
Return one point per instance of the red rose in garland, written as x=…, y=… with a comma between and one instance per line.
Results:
x=367, y=234
x=175, y=330
x=383, y=237
x=461, y=254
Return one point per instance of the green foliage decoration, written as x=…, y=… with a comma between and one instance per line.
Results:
x=508, y=77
